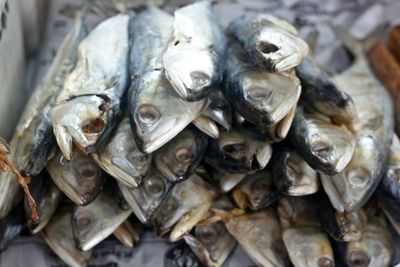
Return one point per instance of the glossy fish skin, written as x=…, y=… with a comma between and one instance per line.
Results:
x=58, y=236
x=212, y=243
x=293, y=176
x=35, y=127
x=207, y=126
x=226, y=181
x=256, y=191
x=130, y=232
x=376, y=246
x=341, y=226
x=81, y=179
x=319, y=91
x=262, y=98
x=219, y=109
x=121, y=158
x=194, y=56
x=156, y=113
x=88, y=106
x=11, y=226
x=271, y=43
x=93, y=223
x=260, y=236
x=178, y=159
x=238, y=151
x=326, y=147
x=147, y=200
x=391, y=208
x=374, y=129
x=188, y=204
x=306, y=243
x=391, y=174
x=47, y=197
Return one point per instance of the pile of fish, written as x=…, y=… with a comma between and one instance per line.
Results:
x=210, y=136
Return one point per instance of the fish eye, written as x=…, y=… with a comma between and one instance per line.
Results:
x=84, y=218
x=208, y=234
x=325, y=262
x=154, y=186
x=358, y=259
x=137, y=157
x=87, y=170
x=199, y=79
x=358, y=176
x=258, y=92
x=148, y=114
x=267, y=48
x=321, y=149
x=232, y=148
x=184, y=155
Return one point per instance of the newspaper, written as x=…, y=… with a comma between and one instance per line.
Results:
x=360, y=16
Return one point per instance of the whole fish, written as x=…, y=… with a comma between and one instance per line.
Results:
x=88, y=106
x=219, y=109
x=187, y=205
x=260, y=236
x=293, y=176
x=256, y=191
x=341, y=226
x=11, y=226
x=93, y=223
x=121, y=158
x=58, y=236
x=207, y=126
x=319, y=91
x=156, y=113
x=307, y=244
x=81, y=179
x=129, y=232
x=325, y=146
x=212, y=243
x=351, y=188
x=47, y=197
x=262, y=98
x=35, y=128
x=375, y=248
x=178, y=159
x=194, y=56
x=238, y=150
x=391, y=174
x=148, y=199
x=271, y=43
x=225, y=180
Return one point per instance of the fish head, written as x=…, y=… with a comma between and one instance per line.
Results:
x=178, y=158
x=219, y=109
x=4, y=147
x=277, y=50
x=81, y=121
x=191, y=81
x=157, y=114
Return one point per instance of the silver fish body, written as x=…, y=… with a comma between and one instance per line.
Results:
x=238, y=151
x=148, y=199
x=352, y=187
x=271, y=43
x=47, y=197
x=59, y=237
x=88, y=106
x=157, y=114
x=262, y=98
x=178, y=159
x=391, y=175
x=207, y=126
x=325, y=146
x=256, y=191
x=121, y=157
x=319, y=90
x=187, y=205
x=35, y=127
x=293, y=176
x=226, y=181
x=81, y=179
x=194, y=56
x=260, y=236
x=219, y=109
x=93, y=223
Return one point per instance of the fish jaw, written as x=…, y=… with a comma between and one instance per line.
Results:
x=207, y=126
x=190, y=84
x=80, y=121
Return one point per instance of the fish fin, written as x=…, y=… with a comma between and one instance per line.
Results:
x=356, y=46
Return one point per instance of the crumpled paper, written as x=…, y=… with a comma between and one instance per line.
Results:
x=360, y=16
